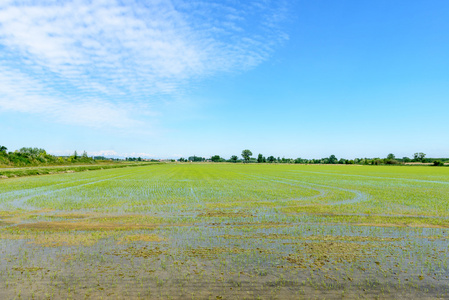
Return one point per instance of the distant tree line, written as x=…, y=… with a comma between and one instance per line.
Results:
x=390, y=159
x=139, y=159
x=193, y=159
x=133, y=158
x=26, y=156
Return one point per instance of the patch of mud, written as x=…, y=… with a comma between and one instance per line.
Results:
x=142, y=252
x=280, y=236
x=318, y=254
x=57, y=239
x=224, y=214
x=82, y=226
x=140, y=238
x=214, y=252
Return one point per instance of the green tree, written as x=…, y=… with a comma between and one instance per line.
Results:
x=260, y=158
x=422, y=157
x=419, y=156
x=215, y=158
x=332, y=159
x=391, y=156
x=234, y=158
x=271, y=159
x=196, y=158
x=32, y=151
x=246, y=154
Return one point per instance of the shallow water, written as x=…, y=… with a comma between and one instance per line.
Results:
x=221, y=232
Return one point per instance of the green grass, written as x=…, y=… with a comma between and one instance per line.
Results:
x=227, y=231
x=46, y=170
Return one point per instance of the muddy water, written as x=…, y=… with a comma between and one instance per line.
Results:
x=205, y=246
x=211, y=259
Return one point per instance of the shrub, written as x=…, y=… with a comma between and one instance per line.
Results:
x=391, y=161
x=438, y=163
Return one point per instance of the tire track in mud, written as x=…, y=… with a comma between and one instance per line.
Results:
x=360, y=197
x=194, y=195
x=200, y=202
x=375, y=177
x=50, y=186
x=37, y=189
x=174, y=208
x=46, y=187
x=20, y=203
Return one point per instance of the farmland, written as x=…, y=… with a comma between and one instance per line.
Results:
x=225, y=231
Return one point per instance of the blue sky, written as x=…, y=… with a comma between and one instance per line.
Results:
x=166, y=79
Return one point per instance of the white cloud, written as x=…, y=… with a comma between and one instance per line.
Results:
x=83, y=61
x=103, y=153
x=139, y=154
x=24, y=94
x=113, y=153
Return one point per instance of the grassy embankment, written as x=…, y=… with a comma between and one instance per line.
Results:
x=45, y=169
x=36, y=161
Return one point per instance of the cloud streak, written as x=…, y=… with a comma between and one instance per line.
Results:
x=21, y=93
x=75, y=59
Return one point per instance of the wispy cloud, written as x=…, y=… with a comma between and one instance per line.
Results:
x=21, y=93
x=106, y=153
x=103, y=153
x=113, y=153
x=82, y=62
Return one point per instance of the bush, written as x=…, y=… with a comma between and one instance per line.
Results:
x=438, y=163
x=391, y=161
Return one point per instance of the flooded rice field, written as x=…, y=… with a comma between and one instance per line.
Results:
x=227, y=231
